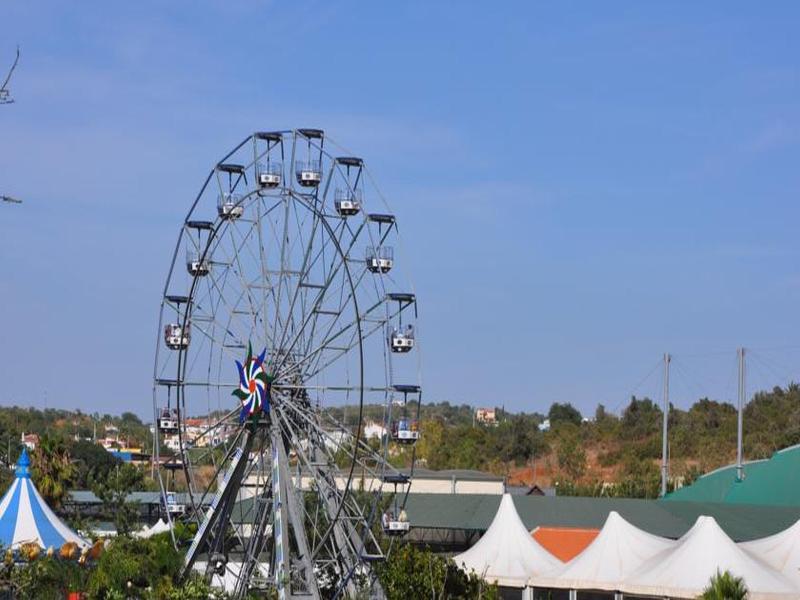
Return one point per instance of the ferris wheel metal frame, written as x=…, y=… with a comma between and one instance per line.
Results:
x=284, y=494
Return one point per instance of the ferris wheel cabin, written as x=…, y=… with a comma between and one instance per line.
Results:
x=347, y=202
x=405, y=431
x=269, y=174
x=168, y=420
x=229, y=206
x=396, y=527
x=402, y=340
x=177, y=337
x=309, y=173
x=173, y=506
x=196, y=265
x=380, y=260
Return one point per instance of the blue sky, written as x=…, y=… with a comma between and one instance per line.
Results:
x=581, y=187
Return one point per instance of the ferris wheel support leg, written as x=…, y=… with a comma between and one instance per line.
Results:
x=292, y=516
x=221, y=506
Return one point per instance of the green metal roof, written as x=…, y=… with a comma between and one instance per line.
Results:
x=774, y=482
x=669, y=519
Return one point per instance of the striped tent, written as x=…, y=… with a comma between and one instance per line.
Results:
x=25, y=517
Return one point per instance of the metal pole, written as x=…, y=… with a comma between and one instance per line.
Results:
x=739, y=467
x=664, y=459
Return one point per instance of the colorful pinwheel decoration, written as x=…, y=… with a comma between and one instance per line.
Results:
x=254, y=385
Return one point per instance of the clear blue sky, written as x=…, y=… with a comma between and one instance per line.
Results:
x=581, y=186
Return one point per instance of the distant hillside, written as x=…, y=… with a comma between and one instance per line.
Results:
x=127, y=428
x=608, y=454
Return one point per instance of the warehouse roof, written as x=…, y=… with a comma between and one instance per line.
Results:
x=773, y=482
x=669, y=519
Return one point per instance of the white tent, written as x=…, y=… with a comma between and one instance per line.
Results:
x=685, y=570
x=159, y=527
x=26, y=518
x=507, y=554
x=780, y=551
x=617, y=551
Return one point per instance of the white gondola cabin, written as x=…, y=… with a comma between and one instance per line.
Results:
x=380, y=260
x=177, y=337
x=347, y=202
x=395, y=525
x=197, y=266
x=168, y=420
x=229, y=206
x=405, y=431
x=309, y=173
x=402, y=340
x=269, y=175
x=173, y=506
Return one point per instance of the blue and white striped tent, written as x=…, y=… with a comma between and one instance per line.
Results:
x=25, y=517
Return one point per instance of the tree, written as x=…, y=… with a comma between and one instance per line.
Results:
x=113, y=492
x=92, y=461
x=725, y=586
x=571, y=456
x=52, y=470
x=564, y=413
x=410, y=572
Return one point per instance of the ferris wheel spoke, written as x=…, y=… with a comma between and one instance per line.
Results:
x=366, y=458
x=338, y=260
x=352, y=328
x=315, y=312
x=239, y=271
x=233, y=312
x=303, y=274
x=340, y=530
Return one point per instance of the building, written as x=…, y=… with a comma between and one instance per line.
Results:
x=454, y=522
x=29, y=440
x=487, y=416
x=774, y=481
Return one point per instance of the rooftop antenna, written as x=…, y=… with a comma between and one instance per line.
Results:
x=5, y=95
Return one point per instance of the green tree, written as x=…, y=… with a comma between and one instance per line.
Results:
x=410, y=572
x=91, y=461
x=725, y=586
x=571, y=456
x=564, y=413
x=113, y=491
x=52, y=470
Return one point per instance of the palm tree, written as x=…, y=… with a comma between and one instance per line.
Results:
x=52, y=471
x=725, y=586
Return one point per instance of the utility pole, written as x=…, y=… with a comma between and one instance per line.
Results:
x=664, y=457
x=739, y=466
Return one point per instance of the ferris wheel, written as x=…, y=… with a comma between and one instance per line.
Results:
x=283, y=319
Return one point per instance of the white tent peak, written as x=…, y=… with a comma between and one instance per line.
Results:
x=780, y=551
x=685, y=570
x=159, y=527
x=507, y=554
x=617, y=551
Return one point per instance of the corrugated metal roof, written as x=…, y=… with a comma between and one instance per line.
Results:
x=673, y=519
x=774, y=482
